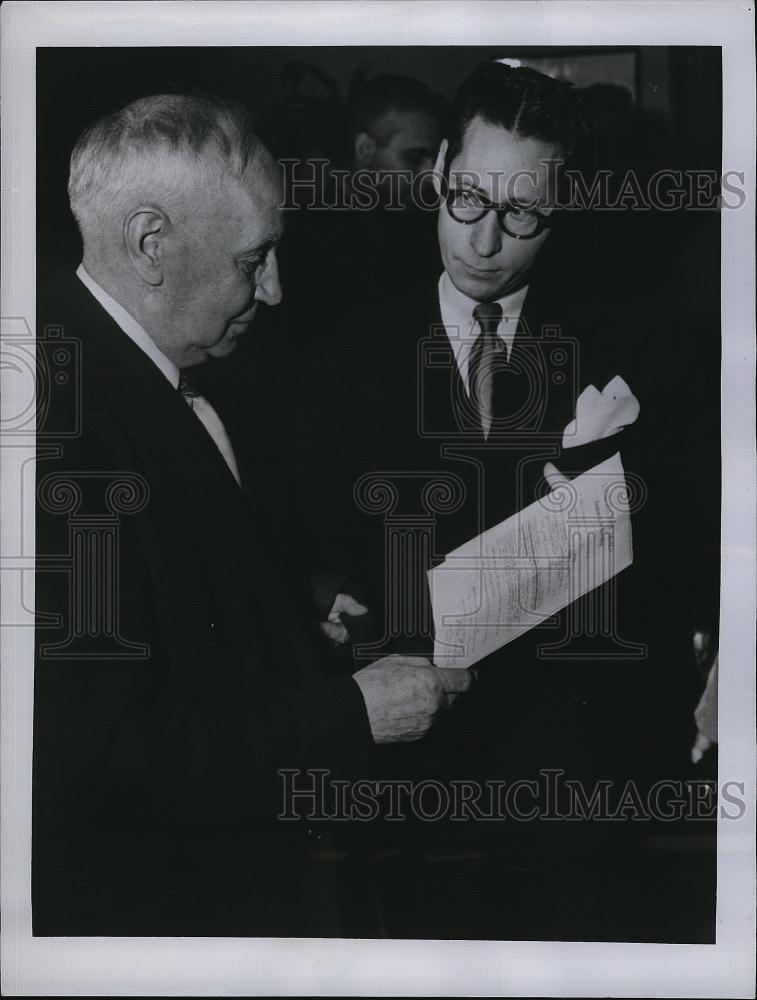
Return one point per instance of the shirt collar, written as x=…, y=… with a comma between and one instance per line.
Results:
x=130, y=327
x=457, y=311
x=461, y=329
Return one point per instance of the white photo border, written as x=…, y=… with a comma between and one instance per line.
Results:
x=241, y=966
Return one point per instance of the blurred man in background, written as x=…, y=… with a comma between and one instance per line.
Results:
x=395, y=125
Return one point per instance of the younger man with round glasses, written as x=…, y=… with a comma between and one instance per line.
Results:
x=513, y=128
x=434, y=415
x=383, y=393
x=521, y=222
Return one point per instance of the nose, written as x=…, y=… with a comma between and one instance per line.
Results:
x=268, y=286
x=486, y=238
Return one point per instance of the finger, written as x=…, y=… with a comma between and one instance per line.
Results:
x=348, y=604
x=455, y=696
x=700, y=748
x=553, y=476
x=454, y=680
x=337, y=633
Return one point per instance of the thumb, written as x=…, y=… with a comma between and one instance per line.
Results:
x=553, y=476
x=348, y=605
x=454, y=679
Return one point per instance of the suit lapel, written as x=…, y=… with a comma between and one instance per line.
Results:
x=226, y=397
x=444, y=404
x=563, y=328
x=187, y=474
x=137, y=392
x=549, y=336
x=201, y=498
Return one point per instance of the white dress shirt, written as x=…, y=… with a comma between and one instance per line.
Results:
x=201, y=407
x=462, y=329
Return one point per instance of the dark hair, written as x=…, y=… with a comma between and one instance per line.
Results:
x=370, y=100
x=523, y=101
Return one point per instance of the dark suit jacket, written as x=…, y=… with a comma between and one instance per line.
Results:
x=383, y=417
x=177, y=677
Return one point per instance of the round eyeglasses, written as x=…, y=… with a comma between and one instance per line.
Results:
x=468, y=206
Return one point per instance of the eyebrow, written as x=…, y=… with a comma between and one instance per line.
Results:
x=258, y=248
x=511, y=204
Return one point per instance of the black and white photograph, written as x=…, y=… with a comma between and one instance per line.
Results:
x=378, y=554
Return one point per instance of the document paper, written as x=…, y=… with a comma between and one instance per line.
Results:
x=512, y=577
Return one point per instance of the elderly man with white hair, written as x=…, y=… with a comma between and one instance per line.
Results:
x=174, y=675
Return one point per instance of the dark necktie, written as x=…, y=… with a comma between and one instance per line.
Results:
x=487, y=357
x=188, y=383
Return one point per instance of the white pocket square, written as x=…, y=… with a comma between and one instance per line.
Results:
x=601, y=414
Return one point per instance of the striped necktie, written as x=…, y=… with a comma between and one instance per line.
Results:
x=487, y=356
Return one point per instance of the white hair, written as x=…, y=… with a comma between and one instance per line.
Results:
x=166, y=145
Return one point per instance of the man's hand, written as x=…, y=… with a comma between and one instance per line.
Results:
x=333, y=628
x=404, y=693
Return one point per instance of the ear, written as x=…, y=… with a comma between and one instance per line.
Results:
x=144, y=230
x=438, y=173
x=365, y=149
